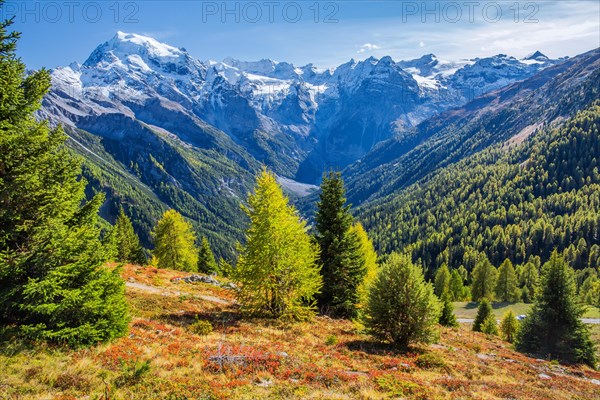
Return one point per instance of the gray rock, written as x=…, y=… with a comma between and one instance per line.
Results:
x=229, y=285
x=265, y=383
x=198, y=278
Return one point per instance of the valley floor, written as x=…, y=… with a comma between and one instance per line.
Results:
x=163, y=358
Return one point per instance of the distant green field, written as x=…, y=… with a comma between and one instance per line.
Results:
x=469, y=309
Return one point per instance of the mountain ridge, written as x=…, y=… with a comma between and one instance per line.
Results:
x=195, y=132
x=290, y=117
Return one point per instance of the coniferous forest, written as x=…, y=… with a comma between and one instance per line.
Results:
x=197, y=273
x=515, y=203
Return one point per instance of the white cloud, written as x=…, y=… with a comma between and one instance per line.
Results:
x=368, y=47
x=421, y=44
x=563, y=29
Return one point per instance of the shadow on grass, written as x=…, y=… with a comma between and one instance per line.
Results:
x=12, y=343
x=378, y=348
x=495, y=305
x=219, y=320
x=503, y=304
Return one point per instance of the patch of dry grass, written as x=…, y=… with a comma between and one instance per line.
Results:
x=250, y=359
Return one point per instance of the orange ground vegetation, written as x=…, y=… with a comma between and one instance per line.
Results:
x=163, y=358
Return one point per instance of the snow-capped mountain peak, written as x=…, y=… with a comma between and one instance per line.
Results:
x=131, y=42
x=272, y=106
x=538, y=56
x=262, y=67
x=130, y=51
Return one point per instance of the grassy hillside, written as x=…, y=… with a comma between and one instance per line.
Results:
x=163, y=358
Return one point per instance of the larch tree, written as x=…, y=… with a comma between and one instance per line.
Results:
x=554, y=328
x=529, y=281
x=367, y=251
x=53, y=285
x=342, y=266
x=484, y=278
x=127, y=242
x=277, y=268
x=442, y=281
x=206, y=258
x=457, y=290
x=490, y=326
x=509, y=326
x=174, y=243
x=507, y=288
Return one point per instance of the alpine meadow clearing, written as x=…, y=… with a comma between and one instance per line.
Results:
x=169, y=355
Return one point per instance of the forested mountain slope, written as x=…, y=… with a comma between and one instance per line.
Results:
x=514, y=111
x=147, y=172
x=508, y=201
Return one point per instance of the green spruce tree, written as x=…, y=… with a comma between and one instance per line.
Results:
x=174, y=246
x=402, y=308
x=447, y=317
x=53, y=285
x=342, y=266
x=483, y=311
x=553, y=328
x=277, y=268
x=206, y=258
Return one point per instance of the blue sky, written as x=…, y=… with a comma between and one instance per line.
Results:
x=326, y=33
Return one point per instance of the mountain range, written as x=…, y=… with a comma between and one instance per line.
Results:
x=159, y=128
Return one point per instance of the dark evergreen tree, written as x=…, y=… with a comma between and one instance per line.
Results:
x=554, y=328
x=127, y=242
x=206, y=258
x=484, y=311
x=52, y=282
x=343, y=267
x=447, y=317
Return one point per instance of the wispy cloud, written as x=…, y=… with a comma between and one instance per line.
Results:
x=368, y=47
x=559, y=30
